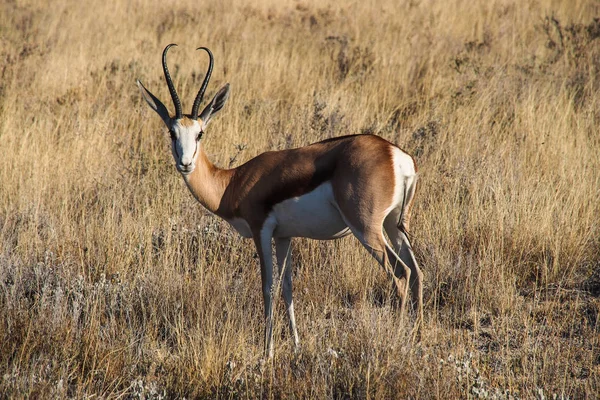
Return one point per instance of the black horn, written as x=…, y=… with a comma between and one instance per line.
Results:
x=204, y=84
x=176, y=102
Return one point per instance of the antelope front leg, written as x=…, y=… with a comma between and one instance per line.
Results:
x=262, y=240
x=282, y=249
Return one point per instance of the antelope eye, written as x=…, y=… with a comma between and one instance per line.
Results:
x=199, y=136
x=172, y=133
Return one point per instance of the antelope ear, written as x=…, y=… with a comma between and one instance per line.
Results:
x=154, y=103
x=215, y=105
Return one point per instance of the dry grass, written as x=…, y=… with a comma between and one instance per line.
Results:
x=114, y=283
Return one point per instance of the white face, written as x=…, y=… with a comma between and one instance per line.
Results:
x=185, y=143
x=186, y=132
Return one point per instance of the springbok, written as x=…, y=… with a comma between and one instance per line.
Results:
x=359, y=184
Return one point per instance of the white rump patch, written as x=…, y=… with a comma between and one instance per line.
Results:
x=404, y=176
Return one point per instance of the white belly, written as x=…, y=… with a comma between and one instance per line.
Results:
x=313, y=215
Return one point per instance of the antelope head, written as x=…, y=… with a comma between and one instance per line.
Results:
x=186, y=130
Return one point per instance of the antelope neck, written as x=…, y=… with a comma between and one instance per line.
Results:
x=208, y=182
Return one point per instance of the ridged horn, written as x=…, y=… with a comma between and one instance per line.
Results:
x=200, y=94
x=174, y=96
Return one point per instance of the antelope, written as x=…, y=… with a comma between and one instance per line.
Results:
x=359, y=184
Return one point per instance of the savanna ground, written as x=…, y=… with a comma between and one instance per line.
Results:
x=115, y=283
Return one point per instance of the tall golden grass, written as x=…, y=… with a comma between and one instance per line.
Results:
x=115, y=283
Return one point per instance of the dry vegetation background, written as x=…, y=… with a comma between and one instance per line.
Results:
x=115, y=283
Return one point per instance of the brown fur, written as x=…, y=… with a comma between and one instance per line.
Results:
x=251, y=190
x=187, y=122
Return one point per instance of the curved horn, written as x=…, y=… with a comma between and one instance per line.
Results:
x=204, y=84
x=176, y=102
